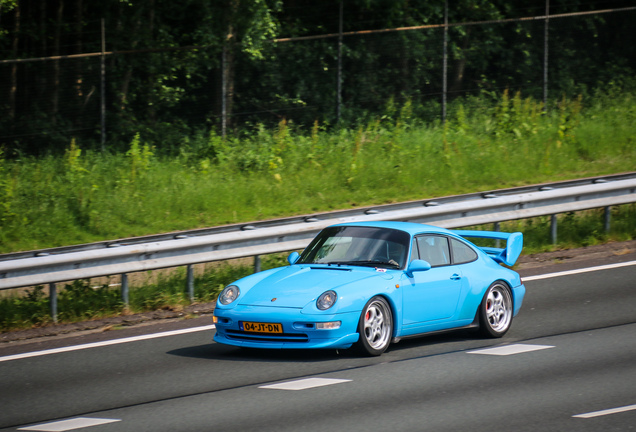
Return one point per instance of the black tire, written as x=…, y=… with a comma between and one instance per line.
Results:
x=375, y=327
x=495, y=311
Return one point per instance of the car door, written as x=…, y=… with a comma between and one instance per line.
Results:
x=432, y=295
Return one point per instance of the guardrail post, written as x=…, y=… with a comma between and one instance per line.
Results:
x=553, y=228
x=497, y=242
x=257, y=263
x=53, y=301
x=124, y=289
x=607, y=216
x=190, y=282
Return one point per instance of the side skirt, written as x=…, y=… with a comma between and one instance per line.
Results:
x=474, y=324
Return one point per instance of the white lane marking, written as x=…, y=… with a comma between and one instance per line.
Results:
x=66, y=425
x=105, y=343
x=606, y=412
x=583, y=270
x=510, y=349
x=304, y=384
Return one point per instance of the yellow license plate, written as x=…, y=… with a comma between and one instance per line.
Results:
x=256, y=327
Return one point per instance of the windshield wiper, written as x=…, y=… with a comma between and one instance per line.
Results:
x=375, y=263
x=338, y=263
x=365, y=263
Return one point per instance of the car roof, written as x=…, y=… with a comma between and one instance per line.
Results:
x=410, y=227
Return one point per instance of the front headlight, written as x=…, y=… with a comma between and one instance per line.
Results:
x=326, y=300
x=229, y=294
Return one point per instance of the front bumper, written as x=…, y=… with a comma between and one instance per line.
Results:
x=299, y=330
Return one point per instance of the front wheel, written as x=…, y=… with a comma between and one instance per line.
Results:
x=375, y=327
x=495, y=311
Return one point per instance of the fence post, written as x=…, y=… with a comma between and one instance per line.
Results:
x=445, y=63
x=103, y=87
x=545, y=55
x=339, y=96
x=553, y=228
x=224, y=91
x=607, y=217
x=53, y=301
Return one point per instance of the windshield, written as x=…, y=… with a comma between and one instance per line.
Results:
x=352, y=245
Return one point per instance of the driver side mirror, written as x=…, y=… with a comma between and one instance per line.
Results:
x=293, y=257
x=417, y=266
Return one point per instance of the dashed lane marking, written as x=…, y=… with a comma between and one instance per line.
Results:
x=511, y=349
x=304, y=384
x=67, y=425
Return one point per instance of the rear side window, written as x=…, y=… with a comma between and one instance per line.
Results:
x=462, y=253
x=433, y=249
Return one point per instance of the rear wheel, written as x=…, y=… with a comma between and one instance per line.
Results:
x=495, y=311
x=375, y=327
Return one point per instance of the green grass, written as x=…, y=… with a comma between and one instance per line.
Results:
x=80, y=197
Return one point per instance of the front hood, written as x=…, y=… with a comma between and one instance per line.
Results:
x=296, y=286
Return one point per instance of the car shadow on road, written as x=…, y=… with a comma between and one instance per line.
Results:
x=413, y=347
x=217, y=352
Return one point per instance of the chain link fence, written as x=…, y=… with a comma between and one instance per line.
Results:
x=102, y=97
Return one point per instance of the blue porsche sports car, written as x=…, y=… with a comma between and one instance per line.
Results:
x=369, y=284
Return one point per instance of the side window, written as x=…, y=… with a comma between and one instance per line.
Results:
x=415, y=254
x=462, y=253
x=433, y=249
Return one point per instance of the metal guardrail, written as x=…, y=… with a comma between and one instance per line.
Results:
x=187, y=248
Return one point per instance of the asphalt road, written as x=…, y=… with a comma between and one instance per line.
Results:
x=568, y=359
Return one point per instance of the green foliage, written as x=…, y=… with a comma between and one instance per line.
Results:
x=76, y=301
x=80, y=194
x=168, y=58
x=580, y=229
x=139, y=156
x=260, y=25
x=518, y=118
x=26, y=310
x=6, y=6
x=80, y=301
x=569, y=118
x=7, y=188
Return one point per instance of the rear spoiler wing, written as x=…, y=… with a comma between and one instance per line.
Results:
x=507, y=255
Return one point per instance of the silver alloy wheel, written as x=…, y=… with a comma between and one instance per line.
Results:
x=378, y=324
x=498, y=308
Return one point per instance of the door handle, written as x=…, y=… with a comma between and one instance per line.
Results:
x=455, y=277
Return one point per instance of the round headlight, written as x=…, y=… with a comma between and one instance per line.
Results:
x=229, y=294
x=326, y=300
